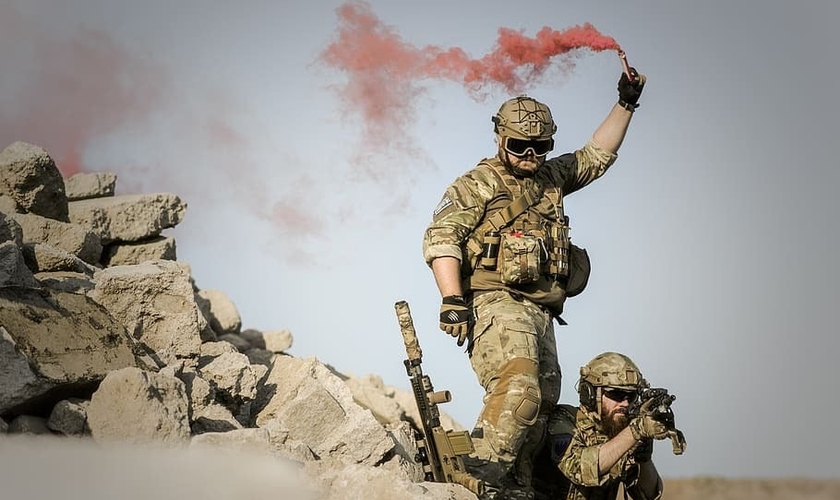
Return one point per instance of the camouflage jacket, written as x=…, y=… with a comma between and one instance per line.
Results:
x=478, y=194
x=580, y=465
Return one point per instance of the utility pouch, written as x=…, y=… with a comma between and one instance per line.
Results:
x=490, y=250
x=579, y=270
x=520, y=257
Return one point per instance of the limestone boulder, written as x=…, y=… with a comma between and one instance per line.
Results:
x=155, y=303
x=137, y=406
x=317, y=408
x=54, y=343
x=71, y=238
x=134, y=217
x=29, y=177
x=84, y=185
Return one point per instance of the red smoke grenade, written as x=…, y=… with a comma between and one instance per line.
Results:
x=384, y=71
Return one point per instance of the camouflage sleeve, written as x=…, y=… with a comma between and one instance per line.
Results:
x=457, y=215
x=577, y=170
x=580, y=463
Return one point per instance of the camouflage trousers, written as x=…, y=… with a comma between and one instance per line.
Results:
x=514, y=357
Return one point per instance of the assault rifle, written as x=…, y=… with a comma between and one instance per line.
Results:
x=439, y=451
x=660, y=410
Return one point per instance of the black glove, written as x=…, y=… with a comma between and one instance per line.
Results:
x=456, y=317
x=629, y=92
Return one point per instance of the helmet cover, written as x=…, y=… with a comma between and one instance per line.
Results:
x=611, y=369
x=525, y=118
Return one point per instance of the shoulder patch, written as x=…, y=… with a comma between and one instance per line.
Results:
x=445, y=203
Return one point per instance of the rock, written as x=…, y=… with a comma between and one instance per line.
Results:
x=69, y=417
x=29, y=177
x=220, y=312
x=40, y=257
x=71, y=238
x=29, y=424
x=273, y=340
x=52, y=342
x=128, y=217
x=137, y=406
x=154, y=301
x=318, y=409
x=10, y=229
x=13, y=269
x=126, y=254
x=86, y=185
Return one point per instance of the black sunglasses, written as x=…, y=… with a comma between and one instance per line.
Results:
x=619, y=395
x=520, y=147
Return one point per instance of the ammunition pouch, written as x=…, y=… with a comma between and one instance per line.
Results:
x=521, y=257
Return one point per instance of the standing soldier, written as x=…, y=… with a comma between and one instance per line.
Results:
x=610, y=447
x=499, y=249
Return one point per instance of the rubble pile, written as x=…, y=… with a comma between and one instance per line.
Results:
x=106, y=340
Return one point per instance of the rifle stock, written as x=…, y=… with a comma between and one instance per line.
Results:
x=440, y=451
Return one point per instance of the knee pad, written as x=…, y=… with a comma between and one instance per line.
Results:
x=520, y=376
x=528, y=409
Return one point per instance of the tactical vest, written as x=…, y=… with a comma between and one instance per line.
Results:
x=524, y=234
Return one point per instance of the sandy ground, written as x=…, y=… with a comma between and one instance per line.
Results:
x=713, y=488
x=70, y=469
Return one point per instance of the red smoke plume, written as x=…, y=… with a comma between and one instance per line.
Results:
x=383, y=71
x=71, y=91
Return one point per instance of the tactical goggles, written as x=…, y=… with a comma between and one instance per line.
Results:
x=520, y=147
x=619, y=395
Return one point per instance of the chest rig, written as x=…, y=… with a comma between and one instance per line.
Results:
x=523, y=221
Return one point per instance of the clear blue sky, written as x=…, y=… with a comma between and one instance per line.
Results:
x=713, y=237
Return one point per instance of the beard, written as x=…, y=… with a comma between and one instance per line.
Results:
x=614, y=422
x=524, y=169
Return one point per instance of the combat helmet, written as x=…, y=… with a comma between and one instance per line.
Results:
x=524, y=118
x=611, y=370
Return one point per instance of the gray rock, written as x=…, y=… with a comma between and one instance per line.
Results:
x=65, y=281
x=126, y=254
x=43, y=258
x=86, y=185
x=236, y=341
x=128, y=217
x=231, y=377
x=71, y=238
x=69, y=417
x=29, y=177
x=273, y=340
x=318, y=409
x=137, y=406
x=56, y=340
x=13, y=269
x=214, y=418
x=220, y=312
x=10, y=229
x=29, y=424
x=154, y=301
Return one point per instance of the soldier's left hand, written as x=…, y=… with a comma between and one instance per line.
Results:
x=456, y=317
x=629, y=92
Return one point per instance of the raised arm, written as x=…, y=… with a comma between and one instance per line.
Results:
x=610, y=134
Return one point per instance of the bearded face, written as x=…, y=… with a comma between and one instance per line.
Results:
x=613, y=417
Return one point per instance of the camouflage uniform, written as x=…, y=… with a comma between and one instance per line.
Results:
x=513, y=350
x=580, y=465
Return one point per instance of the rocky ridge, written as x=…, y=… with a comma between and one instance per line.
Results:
x=107, y=341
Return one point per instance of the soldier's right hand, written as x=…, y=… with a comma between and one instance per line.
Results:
x=456, y=317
